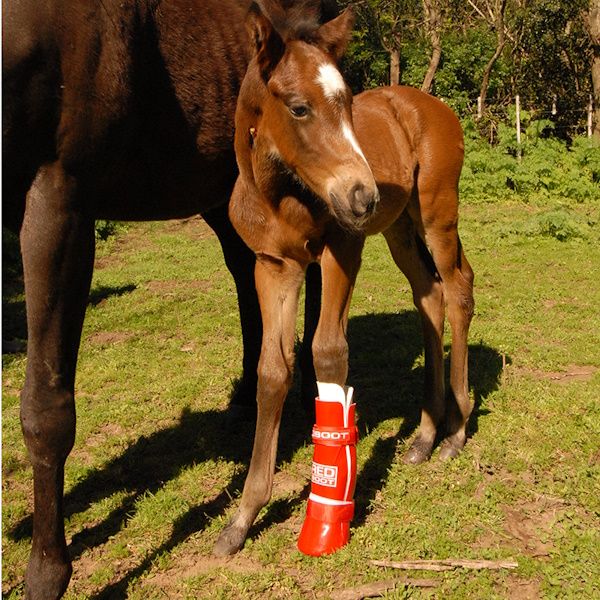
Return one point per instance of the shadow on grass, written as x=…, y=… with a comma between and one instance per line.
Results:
x=14, y=324
x=384, y=349
x=102, y=292
x=14, y=318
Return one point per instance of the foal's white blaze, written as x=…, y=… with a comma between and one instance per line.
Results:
x=333, y=85
x=349, y=135
x=331, y=80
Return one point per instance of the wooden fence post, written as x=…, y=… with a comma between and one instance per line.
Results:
x=518, y=124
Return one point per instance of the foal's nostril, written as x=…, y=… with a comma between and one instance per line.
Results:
x=373, y=202
x=362, y=200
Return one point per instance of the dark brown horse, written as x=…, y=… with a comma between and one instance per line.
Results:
x=119, y=109
x=310, y=167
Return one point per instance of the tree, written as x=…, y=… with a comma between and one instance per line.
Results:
x=433, y=25
x=592, y=20
x=391, y=39
x=390, y=24
x=553, y=58
x=457, y=49
x=493, y=13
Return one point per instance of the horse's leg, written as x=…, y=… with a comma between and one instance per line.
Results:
x=442, y=238
x=57, y=241
x=312, y=308
x=429, y=299
x=339, y=266
x=278, y=285
x=240, y=261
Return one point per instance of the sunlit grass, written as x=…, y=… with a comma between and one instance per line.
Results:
x=155, y=474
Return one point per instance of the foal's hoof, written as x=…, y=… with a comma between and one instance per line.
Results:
x=230, y=541
x=418, y=453
x=450, y=449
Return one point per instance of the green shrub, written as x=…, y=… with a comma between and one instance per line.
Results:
x=104, y=229
x=560, y=224
x=546, y=168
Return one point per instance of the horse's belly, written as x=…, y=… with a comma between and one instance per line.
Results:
x=149, y=191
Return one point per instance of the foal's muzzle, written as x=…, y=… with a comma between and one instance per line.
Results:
x=354, y=205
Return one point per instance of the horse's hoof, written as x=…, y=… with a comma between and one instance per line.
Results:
x=418, y=453
x=450, y=449
x=45, y=580
x=230, y=541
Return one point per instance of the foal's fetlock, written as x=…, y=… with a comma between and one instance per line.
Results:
x=231, y=540
x=419, y=452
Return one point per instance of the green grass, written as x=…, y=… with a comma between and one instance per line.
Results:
x=155, y=475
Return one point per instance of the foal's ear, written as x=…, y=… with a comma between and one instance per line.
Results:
x=266, y=43
x=334, y=35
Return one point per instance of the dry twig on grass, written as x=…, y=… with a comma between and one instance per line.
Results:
x=377, y=588
x=446, y=564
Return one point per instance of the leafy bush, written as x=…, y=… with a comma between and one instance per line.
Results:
x=547, y=166
x=587, y=155
x=11, y=255
x=560, y=224
x=104, y=229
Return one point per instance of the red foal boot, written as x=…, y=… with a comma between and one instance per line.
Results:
x=330, y=504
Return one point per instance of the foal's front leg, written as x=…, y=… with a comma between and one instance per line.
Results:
x=278, y=283
x=330, y=505
x=339, y=265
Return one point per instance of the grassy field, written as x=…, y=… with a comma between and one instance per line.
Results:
x=155, y=473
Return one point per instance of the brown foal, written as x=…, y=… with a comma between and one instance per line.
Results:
x=318, y=173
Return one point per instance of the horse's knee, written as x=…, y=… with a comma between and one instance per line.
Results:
x=48, y=424
x=431, y=305
x=330, y=357
x=274, y=378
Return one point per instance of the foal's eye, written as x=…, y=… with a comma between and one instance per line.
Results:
x=299, y=110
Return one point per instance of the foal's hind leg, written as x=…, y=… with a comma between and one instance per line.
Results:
x=57, y=240
x=429, y=299
x=442, y=238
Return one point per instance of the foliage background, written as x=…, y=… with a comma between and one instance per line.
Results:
x=547, y=56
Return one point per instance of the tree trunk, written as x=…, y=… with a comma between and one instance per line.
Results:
x=501, y=40
x=433, y=17
x=394, y=67
x=593, y=26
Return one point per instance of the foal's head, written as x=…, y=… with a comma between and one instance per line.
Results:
x=294, y=116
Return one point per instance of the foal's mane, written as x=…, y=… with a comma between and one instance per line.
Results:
x=298, y=19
